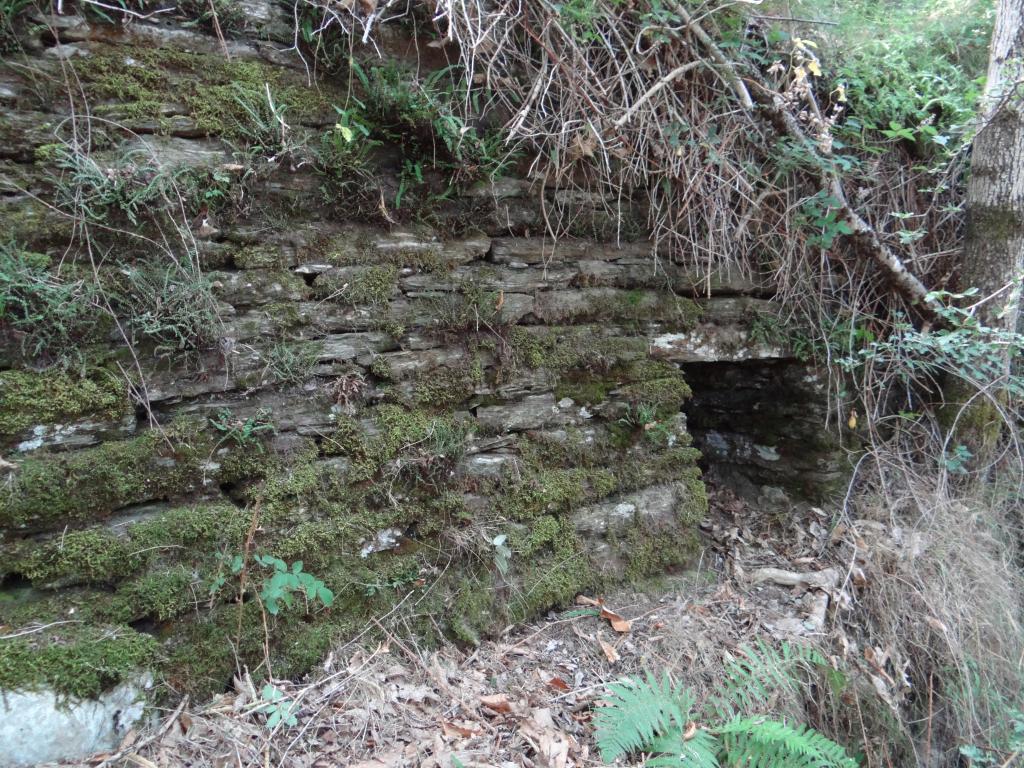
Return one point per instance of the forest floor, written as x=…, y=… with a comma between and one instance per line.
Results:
x=526, y=698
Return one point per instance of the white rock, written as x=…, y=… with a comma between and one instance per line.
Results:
x=40, y=727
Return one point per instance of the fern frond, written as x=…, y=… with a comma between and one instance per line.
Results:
x=636, y=712
x=763, y=671
x=674, y=751
x=761, y=743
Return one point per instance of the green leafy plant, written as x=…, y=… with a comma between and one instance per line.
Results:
x=133, y=186
x=280, y=588
x=655, y=716
x=646, y=418
x=278, y=707
x=285, y=582
x=822, y=213
x=233, y=563
x=242, y=432
x=963, y=348
x=956, y=460
x=911, y=71
x=502, y=554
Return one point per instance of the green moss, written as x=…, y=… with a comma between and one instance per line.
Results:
x=662, y=466
x=381, y=368
x=474, y=610
x=416, y=433
x=225, y=97
x=693, y=505
x=355, y=249
x=994, y=223
x=82, y=662
x=584, y=392
x=541, y=533
x=552, y=491
x=373, y=286
x=666, y=394
x=652, y=553
x=160, y=595
x=188, y=526
x=202, y=656
x=92, y=605
x=81, y=557
x=259, y=257
x=36, y=226
x=631, y=308
x=562, y=349
x=444, y=388
x=285, y=316
x=87, y=485
x=28, y=398
x=555, y=578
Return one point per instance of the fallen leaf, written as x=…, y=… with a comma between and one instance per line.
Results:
x=497, y=702
x=609, y=651
x=618, y=623
x=128, y=740
x=551, y=744
x=454, y=729
x=559, y=684
x=584, y=600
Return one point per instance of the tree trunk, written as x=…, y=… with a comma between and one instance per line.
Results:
x=993, y=259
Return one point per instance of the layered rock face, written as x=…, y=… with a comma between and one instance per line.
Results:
x=225, y=359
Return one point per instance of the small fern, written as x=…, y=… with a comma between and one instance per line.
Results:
x=763, y=672
x=661, y=719
x=762, y=743
x=638, y=712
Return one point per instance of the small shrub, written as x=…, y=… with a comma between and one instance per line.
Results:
x=285, y=582
x=281, y=586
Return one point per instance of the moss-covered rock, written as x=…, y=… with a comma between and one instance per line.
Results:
x=29, y=398
x=81, y=661
x=80, y=557
x=83, y=486
x=225, y=97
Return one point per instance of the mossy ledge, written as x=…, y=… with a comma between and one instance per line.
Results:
x=29, y=398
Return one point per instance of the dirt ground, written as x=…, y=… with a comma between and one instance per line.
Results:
x=526, y=698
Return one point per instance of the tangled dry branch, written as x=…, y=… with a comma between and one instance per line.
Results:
x=642, y=112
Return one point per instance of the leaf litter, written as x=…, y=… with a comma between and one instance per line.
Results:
x=524, y=699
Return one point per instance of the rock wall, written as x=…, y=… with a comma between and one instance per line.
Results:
x=238, y=327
